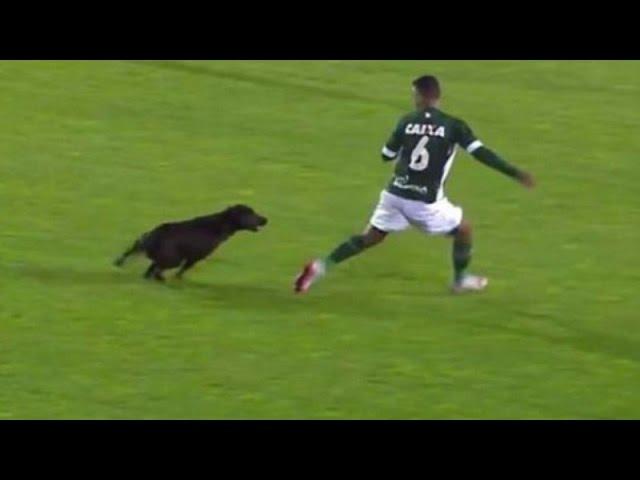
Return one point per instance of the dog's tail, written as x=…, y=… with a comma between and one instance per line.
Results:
x=138, y=247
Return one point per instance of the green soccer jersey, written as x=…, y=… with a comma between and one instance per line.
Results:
x=424, y=144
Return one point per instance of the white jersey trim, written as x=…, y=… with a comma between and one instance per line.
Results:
x=445, y=173
x=387, y=152
x=473, y=146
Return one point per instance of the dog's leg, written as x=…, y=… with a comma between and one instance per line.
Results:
x=154, y=272
x=158, y=275
x=185, y=266
x=150, y=271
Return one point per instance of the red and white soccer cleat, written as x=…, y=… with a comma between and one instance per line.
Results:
x=312, y=271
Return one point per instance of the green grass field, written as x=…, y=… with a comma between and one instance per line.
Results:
x=94, y=153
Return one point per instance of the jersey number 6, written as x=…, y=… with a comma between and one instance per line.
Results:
x=420, y=155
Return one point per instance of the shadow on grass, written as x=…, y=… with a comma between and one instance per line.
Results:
x=266, y=298
x=106, y=275
x=261, y=80
x=237, y=296
x=63, y=276
x=581, y=339
x=280, y=298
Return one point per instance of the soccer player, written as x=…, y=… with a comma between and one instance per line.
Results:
x=423, y=145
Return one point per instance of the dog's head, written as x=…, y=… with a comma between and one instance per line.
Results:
x=243, y=217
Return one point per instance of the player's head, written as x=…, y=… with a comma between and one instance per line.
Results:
x=426, y=91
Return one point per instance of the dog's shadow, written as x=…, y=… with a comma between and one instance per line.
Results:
x=109, y=275
x=218, y=294
x=73, y=277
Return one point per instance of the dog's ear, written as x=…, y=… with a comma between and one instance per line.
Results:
x=239, y=207
x=234, y=212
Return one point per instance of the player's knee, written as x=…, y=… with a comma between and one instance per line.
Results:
x=373, y=237
x=465, y=230
x=371, y=241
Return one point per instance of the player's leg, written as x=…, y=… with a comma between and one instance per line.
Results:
x=461, y=249
x=386, y=218
x=355, y=245
x=444, y=218
x=350, y=248
x=461, y=258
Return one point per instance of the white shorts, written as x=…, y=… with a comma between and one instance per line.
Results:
x=394, y=214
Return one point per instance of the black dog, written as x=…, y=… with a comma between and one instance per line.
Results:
x=183, y=244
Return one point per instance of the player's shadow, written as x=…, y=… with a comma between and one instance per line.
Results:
x=268, y=298
x=582, y=339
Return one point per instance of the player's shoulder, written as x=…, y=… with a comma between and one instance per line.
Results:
x=408, y=117
x=453, y=120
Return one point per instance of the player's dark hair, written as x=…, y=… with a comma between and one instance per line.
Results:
x=428, y=86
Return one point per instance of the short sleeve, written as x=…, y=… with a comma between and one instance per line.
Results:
x=391, y=149
x=466, y=138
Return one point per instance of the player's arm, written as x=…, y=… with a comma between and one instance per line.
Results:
x=472, y=145
x=491, y=159
x=391, y=149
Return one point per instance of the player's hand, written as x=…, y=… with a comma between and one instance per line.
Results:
x=526, y=180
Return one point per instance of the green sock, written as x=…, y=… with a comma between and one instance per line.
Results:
x=346, y=250
x=461, y=259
